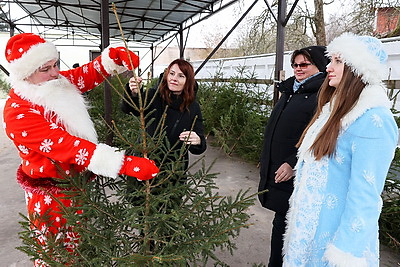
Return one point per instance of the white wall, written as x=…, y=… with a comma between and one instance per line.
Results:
x=263, y=65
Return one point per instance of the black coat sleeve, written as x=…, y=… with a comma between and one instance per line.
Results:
x=198, y=128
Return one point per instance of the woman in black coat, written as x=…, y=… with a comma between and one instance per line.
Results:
x=177, y=91
x=288, y=119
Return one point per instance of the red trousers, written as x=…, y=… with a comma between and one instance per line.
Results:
x=44, y=212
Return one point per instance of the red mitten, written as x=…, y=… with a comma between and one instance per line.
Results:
x=141, y=168
x=121, y=57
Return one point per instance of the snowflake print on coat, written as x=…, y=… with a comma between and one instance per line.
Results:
x=369, y=177
x=23, y=149
x=35, y=111
x=47, y=199
x=45, y=146
x=14, y=105
x=96, y=65
x=377, y=120
x=53, y=126
x=82, y=156
x=37, y=207
x=357, y=224
x=81, y=82
x=54, y=228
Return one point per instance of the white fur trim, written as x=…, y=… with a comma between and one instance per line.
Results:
x=62, y=98
x=33, y=59
x=355, y=54
x=109, y=65
x=370, y=97
x=106, y=161
x=339, y=258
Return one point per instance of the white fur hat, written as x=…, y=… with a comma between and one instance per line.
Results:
x=26, y=52
x=363, y=54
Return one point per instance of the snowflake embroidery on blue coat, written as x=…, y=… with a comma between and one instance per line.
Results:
x=377, y=120
x=357, y=224
x=369, y=177
x=339, y=158
x=331, y=201
x=353, y=147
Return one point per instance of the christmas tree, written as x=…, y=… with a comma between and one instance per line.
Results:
x=177, y=218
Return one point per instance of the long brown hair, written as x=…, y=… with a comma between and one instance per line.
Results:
x=188, y=94
x=346, y=95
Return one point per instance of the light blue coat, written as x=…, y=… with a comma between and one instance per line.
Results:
x=335, y=207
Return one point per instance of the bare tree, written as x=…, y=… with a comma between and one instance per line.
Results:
x=309, y=24
x=319, y=22
x=360, y=18
x=305, y=27
x=4, y=21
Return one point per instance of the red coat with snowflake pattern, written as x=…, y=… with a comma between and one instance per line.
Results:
x=41, y=138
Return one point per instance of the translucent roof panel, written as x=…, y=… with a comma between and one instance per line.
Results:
x=146, y=21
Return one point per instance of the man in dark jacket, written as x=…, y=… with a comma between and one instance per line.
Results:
x=289, y=118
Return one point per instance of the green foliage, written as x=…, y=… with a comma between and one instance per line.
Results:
x=4, y=86
x=97, y=113
x=390, y=217
x=175, y=219
x=236, y=112
x=117, y=231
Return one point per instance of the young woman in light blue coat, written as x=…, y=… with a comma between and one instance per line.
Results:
x=343, y=159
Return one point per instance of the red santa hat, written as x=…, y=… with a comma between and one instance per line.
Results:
x=26, y=52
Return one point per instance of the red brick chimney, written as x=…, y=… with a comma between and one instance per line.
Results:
x=387, y=19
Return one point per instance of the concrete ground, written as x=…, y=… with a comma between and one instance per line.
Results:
x=252, y=243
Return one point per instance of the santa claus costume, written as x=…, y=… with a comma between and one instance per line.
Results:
x=49, y=124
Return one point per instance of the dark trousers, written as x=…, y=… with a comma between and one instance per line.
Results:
x=278, y=229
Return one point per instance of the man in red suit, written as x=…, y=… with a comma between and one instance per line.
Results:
x=46, y=117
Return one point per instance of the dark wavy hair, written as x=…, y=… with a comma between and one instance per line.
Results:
x=188, y=93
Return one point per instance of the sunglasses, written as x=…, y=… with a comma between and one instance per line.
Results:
x=301, y=65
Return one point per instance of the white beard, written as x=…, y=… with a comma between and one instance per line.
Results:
x=65, y=100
